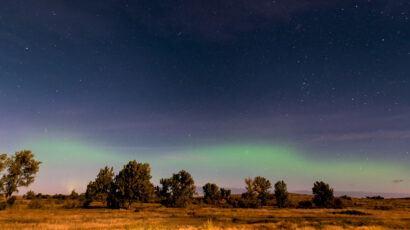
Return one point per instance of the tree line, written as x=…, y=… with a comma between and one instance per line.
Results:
x=133, y=184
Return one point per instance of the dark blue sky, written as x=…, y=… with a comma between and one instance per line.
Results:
x=146, y=78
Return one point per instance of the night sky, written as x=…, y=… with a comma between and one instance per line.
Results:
x=297, y=90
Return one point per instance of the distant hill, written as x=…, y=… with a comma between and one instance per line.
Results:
x=337, y=193
x=361, y=194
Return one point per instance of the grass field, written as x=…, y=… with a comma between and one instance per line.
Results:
x=358, y=214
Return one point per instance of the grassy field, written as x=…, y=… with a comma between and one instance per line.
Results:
x=359, y=214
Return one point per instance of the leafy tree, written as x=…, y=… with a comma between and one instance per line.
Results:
x=225, y=194
x=281, y=194
x=250, y=197
x=261, y=186
x=177, y=191
x=21, y=171
x=164, y=192
x=183, y=189
x=100, y=188
x=132, y=184
x=211, y=193
x=250, y=189
x=323, y=194
x=3, y=158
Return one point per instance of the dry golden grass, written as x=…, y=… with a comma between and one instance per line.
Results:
x=153, y=216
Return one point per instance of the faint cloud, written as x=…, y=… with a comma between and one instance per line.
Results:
x=397, y=181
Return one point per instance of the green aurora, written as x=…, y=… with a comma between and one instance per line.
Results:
x=69, y=164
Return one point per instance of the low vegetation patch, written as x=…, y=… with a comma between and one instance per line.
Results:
x=352, y=212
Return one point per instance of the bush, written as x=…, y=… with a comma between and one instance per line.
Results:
x=346, y=197
x=74, y=195
x=383, y=207
x=351, y=212
x=41, y=196
x=29, y=195
x=246, y=202
x=338, y=204
x=375, y=197
x=305, y=204
x=36, y=204
x=69, y=204
x=60, y=197
x=3, y=205
x=11, y=201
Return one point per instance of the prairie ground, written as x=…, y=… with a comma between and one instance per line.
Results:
x=362, y=214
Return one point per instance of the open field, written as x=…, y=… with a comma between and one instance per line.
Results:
x=359, y=214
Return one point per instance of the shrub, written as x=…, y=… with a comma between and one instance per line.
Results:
x=338, y=204
x=305, y=204
x=11, y=201
x=246, y=202
x=74, y=195
x=346, y=197
x=36, y=204
x=323, y=194
x=375, y=197
x=3, y=205
x=281, y=194
x=60, y=197
x=383, y=207
x=29, y=195
x=69, y=204
x=351, y=212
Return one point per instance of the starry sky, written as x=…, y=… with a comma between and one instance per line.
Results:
x=297, y=90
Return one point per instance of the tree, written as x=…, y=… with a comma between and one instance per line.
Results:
x=100, y=188
x=225, y=194
x=281, y=194
x=30, y=195
x=164, y=190
x=250, y=191
x=74, y=195
x=250, y=198
x=261, y=186
x=211, y=193
x=132, y=184
x=21, y=171
x=177, y=191
x=323, y=194
x=3, y=158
